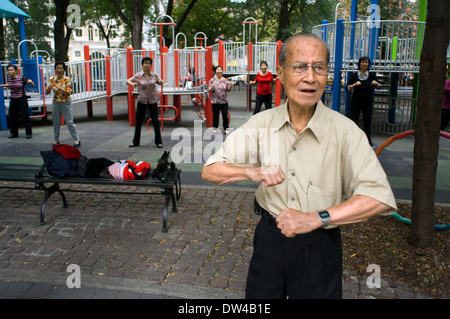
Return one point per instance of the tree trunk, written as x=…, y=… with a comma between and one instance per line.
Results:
x=283, y=21
x=136, y=24
x=138, y=20
x=426, y=145
x=61, y=37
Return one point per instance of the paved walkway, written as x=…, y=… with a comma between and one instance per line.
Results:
x=116, y=239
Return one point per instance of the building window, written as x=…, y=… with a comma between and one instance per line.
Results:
x=79, y=32
x=91, y=33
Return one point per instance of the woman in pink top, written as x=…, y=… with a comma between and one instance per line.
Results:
x=148, y=97
x=446, y=105
x=17, y=101
x=219, y=86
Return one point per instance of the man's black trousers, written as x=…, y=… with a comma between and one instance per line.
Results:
x=305, y=266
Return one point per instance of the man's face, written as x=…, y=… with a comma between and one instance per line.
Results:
x=306, y=89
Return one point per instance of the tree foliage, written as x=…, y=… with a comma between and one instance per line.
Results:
x=37, y=28
x=217, y=19
x=282, y=18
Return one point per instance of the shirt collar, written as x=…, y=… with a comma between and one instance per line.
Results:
x=141, y=73
x=315, y=124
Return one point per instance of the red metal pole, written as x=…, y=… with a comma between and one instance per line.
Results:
x=161, y=50
x=109, y=105
x=222, y=56
x=131, y=103
x=177, y=98
x=208, y=77
x=278, y=83
x=87, y=71
x=249, y=69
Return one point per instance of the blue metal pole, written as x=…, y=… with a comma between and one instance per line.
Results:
x=23, y=47
x=3, y=122
x=353, y=17
x=338, y=56
x=374, y=33
x=324, y=38
x=324, y=30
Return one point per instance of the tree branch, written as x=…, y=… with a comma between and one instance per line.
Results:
x=184, y=16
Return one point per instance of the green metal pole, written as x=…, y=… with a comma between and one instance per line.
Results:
x=420, y=34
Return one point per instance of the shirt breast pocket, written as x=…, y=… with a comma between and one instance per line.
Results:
x=318, y=198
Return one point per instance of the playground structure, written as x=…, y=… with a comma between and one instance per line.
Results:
x=105, y=77
x=393, y=47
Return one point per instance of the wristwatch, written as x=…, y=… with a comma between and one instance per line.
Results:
x=325, y=218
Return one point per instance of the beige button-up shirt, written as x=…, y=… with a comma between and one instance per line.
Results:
x=325, y=164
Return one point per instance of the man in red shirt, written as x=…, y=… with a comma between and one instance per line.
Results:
x=264, y=90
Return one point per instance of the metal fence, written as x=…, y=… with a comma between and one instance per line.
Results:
x=236, y=57
x=390, y=116
x=393, y=45
x=175, y=67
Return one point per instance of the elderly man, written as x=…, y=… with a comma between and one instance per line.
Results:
x=317, y=171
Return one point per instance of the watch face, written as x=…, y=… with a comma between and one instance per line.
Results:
x=324, y=214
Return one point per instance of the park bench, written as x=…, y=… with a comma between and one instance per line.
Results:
x=170, y=185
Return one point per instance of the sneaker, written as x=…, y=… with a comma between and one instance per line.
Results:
x=28, y=136
x=12, y=136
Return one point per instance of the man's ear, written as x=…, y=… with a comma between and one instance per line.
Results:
x=280, y=73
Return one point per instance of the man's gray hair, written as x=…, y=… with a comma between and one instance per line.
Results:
x=282, y=54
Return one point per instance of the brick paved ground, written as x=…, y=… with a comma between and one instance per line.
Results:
x=118, y=237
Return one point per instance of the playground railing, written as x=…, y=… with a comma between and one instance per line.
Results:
x=118, y=73
x=174, y=68
x=265, y=51
x=391, y=115
x=192, y=62
x=394, y=46
x=234, y=56
x=88, y=79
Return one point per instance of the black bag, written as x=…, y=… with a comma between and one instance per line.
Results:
x=162, y=168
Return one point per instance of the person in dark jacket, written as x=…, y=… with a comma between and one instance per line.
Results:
x=362, y=84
